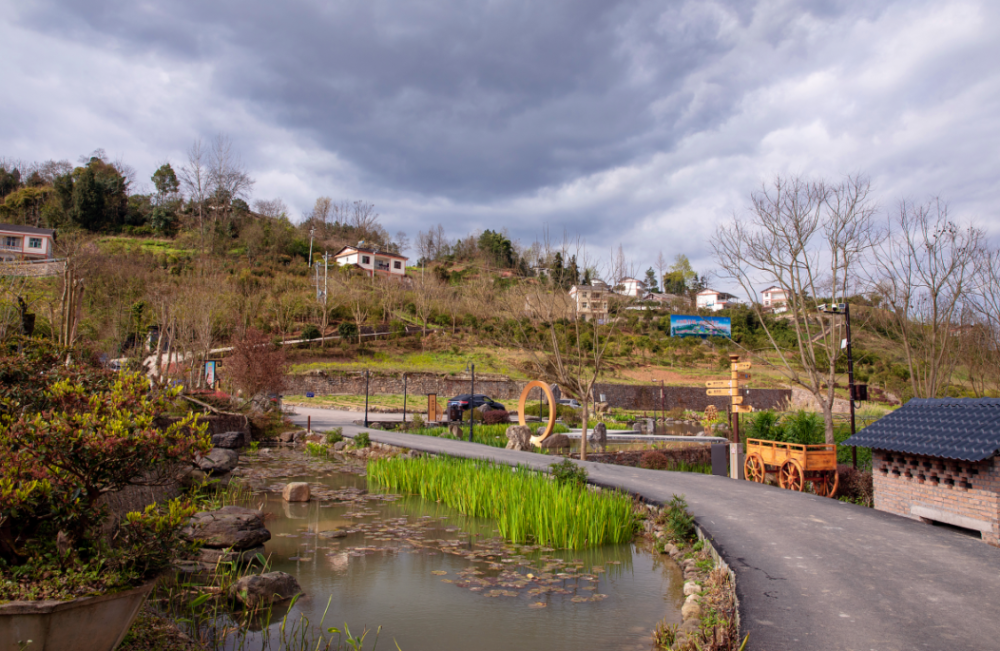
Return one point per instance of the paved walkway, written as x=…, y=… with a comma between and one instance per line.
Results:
x=811, y=573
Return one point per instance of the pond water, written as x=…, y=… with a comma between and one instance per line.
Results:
x=435, y=579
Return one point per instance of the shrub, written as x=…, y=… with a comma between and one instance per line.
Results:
x=855, y=486
x=336, y=435
x=677, y=413
x=257, y=367
x=311, y=332
x=347, y=330
x=496, y=416
x=362, y=440
x=567, y=472
x=677, y=519
x=572, y=418
x=654, y=460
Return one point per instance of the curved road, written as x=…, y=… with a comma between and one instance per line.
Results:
x=811, y=573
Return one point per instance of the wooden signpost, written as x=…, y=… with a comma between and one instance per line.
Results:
x=731, y=388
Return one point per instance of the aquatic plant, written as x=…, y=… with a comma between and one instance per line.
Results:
x=526, y=505
x=492, y=435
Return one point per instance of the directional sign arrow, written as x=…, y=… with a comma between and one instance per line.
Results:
x=741, y=366
x=743, y=376
x=722, y=392
x=719, y=384
x=737, y=400
x=742, y=409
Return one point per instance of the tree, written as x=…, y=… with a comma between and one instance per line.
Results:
x=165, y=181
x=925, y=272
x=227, y=174
x=661, y=268
x=257, y=367
x=808, y=238
x=650, y=281
x=194, y=177
x=679, y=276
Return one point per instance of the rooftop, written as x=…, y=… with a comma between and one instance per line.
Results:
x=967, y=429
x=29, y=230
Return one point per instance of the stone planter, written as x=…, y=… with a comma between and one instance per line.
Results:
x=84, y=624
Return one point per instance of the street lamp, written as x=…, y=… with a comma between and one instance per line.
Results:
x=472, y=399
x=845, y=309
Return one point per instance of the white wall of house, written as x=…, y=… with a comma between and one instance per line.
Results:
x=373, y=262
x=20, y=246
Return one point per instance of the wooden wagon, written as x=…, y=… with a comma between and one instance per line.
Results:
x=794, y=465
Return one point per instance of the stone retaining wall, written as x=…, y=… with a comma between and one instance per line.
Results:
x=620, y=396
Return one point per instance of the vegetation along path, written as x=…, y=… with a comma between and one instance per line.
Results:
x=811, y=572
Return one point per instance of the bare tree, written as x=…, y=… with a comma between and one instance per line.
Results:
x=661, y=265
x=227, y=174
x=271, y=208
x=925, y=272
x=321, y=212
x=807, y=238
x=256, y=367
x=194, y=178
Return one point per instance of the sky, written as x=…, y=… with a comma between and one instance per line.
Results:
x=644, y=124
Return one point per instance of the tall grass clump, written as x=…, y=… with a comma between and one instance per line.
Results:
x=526, y=505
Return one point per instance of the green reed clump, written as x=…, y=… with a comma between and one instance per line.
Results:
x=493, y=435
x=526, y=505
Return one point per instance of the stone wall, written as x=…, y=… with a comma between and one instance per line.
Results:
x=932, y=489
x=620, y=396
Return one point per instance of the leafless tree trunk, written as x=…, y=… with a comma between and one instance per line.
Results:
x=227, y=174
x=194, y=179
x=807, y=238
x=925, y=272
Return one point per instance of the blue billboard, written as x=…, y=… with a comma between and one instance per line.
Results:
x=700, y=326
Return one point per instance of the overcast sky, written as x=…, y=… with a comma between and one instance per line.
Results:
x=644, y=123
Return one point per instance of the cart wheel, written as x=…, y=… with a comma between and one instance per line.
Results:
x=790, y=475
x=825, y=484
x=753, y=468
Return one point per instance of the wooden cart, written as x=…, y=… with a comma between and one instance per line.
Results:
x=794, y=465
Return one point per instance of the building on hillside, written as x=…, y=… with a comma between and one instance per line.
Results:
x=710, y=299
x=25, y=243
x=590, y=301
x=935, y=460
x=773, y=298
x=632, y=287
x=372, y=260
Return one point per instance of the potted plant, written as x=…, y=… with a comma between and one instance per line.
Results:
x=70, y=434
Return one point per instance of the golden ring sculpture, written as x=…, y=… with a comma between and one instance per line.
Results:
x=553, y=411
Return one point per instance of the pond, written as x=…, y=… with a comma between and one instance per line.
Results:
x=435, y=579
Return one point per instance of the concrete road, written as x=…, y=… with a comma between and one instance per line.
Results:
x=811, y=573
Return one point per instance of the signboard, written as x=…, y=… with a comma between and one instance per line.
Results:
x=210, y=374
x=742, y=409
x=719, y=384
x=741, y=366
x=700, y=326
x=723, y=392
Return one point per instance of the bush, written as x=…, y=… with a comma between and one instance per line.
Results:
x=567, y=472
x=311, y=332
x=677, y=413
x=347, y=330
x=362, y=440
x=654, y=460
x=677, y=519
x=336, y=435
x=496, y=416
x=572, y=418
x=855, y=486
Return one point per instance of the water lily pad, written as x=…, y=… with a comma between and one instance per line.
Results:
x=538, y=604
x=438, y=572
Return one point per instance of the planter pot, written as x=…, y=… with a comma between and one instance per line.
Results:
x=84, y=624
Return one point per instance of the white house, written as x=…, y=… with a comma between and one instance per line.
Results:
x=372, y=260
x=590, y=301
x=773, y=297
x=710, y=299
x=631, y=287
x=25, y=243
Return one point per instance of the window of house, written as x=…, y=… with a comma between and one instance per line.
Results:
x=396, y=264
x=10, y=241
x=34, y=243
x=585, y=305
x=365, y=259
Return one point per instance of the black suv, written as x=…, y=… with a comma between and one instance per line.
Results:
x=458, y=404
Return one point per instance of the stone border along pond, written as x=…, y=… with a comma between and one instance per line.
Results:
x=710, y=611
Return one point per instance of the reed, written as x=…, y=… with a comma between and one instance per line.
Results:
x=527, y=506
x=493, y=435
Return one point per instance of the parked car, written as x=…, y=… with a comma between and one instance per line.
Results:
x=458, y=404
x=570, y=402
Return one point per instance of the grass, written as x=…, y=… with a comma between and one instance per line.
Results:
x=493, y=435
x=450, y=362
x=381, y=403
x=526, y=505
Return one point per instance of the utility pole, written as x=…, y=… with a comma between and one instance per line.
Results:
x=366, y=397
x=404, y=398
x=312, y=231
x=850, y=379
x=472, y=402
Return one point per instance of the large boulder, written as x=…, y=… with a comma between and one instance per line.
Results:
x=598, y=437
x=296, y=491
x=556, y=442
x=218, y=461
x=230, y=527
x=210, y=557
x=230, y=440
x=456, y=431
x=519, y=438
x=258, y=590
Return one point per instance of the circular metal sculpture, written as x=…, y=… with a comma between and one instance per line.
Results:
x=553, y=409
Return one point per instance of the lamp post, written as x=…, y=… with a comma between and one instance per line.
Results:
x=472, y=400
x=366, y=397
x=845, y=309
x=312, y=232
x=404, y=400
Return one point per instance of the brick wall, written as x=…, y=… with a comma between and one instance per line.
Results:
x=621, y=396
x=960, y=493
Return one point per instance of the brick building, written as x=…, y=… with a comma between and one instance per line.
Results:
x=936, y=461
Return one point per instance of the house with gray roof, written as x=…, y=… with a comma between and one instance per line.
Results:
x=936, y=460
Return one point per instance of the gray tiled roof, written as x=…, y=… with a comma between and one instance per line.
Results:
x=31, y=230
x=952, y=428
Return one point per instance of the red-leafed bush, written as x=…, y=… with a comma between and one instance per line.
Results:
x=496, y=416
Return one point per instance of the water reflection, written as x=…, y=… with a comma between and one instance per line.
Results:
x=435, y=579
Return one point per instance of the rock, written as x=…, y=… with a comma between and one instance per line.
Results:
x=230, y=526
x=645, y=426
x=691, y=609
x=191, y=476
x=230, y=440
x=691, y=588
x=691, y=626
x=296, y=491
x=211, y=557
x=218, y=461
x=599, y=436
x=519, y=438
x=455, y=430
x=556, y=442
x=286, y=437
x=339, y=445
x=261, y=589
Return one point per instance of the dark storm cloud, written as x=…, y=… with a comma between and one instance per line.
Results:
x=471, y=100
